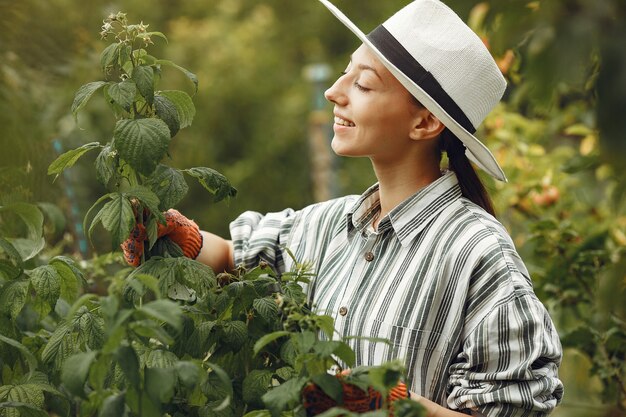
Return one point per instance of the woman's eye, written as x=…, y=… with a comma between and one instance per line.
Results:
x=360, y=87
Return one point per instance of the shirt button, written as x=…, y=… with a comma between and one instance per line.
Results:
x=369, y=256
x=343, y=311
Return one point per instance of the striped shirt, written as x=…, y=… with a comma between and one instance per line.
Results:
x=439, y=278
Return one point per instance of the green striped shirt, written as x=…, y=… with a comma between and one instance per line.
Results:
x=440, y=279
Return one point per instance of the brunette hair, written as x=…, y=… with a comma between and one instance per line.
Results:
x=471, y=185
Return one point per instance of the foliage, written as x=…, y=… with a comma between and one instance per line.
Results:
x=169, y=337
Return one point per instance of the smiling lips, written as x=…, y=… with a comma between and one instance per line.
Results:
x=343, y=122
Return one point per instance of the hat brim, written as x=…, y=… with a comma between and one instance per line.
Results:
x=476, y=151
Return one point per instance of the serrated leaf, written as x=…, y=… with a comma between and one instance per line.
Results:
x=191, y=76
x=255, y=384
x=10, y=250
x=60, y=345
x=13, y=297
x=30, y=358
x=118, y=218
x=8, y=271
x=188, y=373
x=29, y=248
x=160, y=383
x=75, y=372
x=169, y=185
x=163, y=310
x=143, y=76
x=113, y=406
x=90, y=328
x=47, y=283
x=159, y=358
x=148, y=199
x=214, y=182
x=142, y=143
x=286, y=394
x=286, y=372
x=330, y=385
x=69, y=158
x=235, y=333
x=105, y=165
x=110, y=55
x=166, y=110
x=266, y=307
x=71, y=277
x=129, y=363
x=83, y=95
x=184, y=106
x=23, y=409
x=122, y=93
x=267, y=339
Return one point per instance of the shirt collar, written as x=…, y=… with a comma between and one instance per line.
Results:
x=409, y=217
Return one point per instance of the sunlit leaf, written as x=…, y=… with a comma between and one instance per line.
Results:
x=184, y=106
x=143, y=76
x=83, y=95
x=214, y=182
x=142, y=143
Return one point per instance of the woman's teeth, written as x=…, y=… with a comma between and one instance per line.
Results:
x=342, y=122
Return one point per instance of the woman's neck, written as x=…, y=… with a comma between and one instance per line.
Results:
x=398, y=181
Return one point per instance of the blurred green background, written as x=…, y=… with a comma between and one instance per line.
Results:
x=559, y=134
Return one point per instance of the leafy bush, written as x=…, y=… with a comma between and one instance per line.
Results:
x=169, y=337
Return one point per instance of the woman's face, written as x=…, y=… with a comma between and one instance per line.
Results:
x=373, y=112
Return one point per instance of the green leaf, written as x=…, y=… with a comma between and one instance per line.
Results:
x=47, y=283
x=266, y=307
x=214, y=182
x=56, y=349
x=188, y=373
x=11, y=252
x=191, y=76
x=166, y=111
x=113, y=406
x=163, y=310
x=83, y=95
x=148, y=199
x=258, y=413
x=160, y=383
x=30, y=358
x=71, y=277
x=8, y=271
x=129, y=363
x=105, y=165
x=235, y=334
x=143, y=76
x=118, y=218
x=184, y=106
x=69, y=158
x=90, y=328
x=110, y=55
x=122, y=93
x=255, y=384
x=31, y=216
x=142, y=143
x=267, y=339
x=169, y=185
x=330, y=385
x=284, y=396
x=75, y=372
x=13, y=297
x=286, y=372
x=159, y=34
x=24, y=409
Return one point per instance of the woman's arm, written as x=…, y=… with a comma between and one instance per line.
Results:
x=216, y=252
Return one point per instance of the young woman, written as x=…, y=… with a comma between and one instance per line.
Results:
x=419, y=258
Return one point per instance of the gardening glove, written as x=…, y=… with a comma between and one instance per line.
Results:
x=354, y=399
x=181, y=230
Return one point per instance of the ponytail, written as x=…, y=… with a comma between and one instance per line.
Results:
x=471, y=186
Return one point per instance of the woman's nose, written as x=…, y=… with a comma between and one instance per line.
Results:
x=335, y=93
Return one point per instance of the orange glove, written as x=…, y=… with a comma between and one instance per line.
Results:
x=354, y=399
x=183, y=231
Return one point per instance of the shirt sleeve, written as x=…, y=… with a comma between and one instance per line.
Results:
x=509, y=362
x=258, y=237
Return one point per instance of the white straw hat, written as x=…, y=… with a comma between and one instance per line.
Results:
x=444, y=64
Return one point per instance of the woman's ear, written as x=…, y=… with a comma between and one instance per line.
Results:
x=425, y=125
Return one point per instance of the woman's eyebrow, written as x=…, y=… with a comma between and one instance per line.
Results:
x=369, y=68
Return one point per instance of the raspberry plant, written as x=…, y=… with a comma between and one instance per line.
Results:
x=170, y=337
